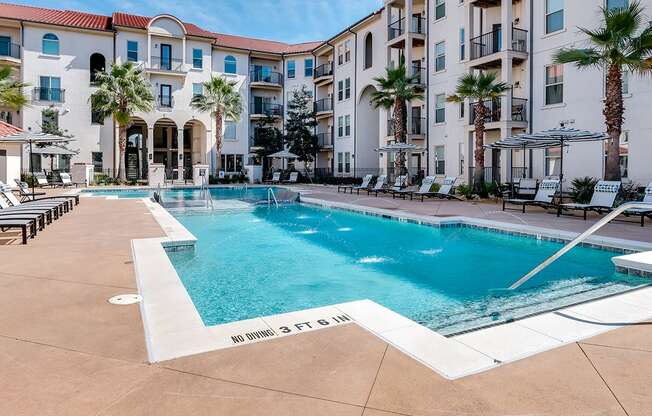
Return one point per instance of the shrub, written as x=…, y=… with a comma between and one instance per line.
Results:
x=582, y=189
x=465, y=190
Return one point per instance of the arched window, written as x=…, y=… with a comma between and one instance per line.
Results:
x=98, y=64
x=368, y=51
x=230, y=66
x=50, y=44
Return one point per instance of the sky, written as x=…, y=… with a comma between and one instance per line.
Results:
x=291, y=21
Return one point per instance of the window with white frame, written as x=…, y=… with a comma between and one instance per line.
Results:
x=347, y=51
x=50, y=44
x=440, y=9
x=440, y=56
x=197, y=89
x=440, y=160
x=462, y=44
x=347, y=88
x=230, y=65
x=340, y=54
x=340, y=162
x=292, y=69
x=340, y=90
x=462, y=109
x=340, y=126
x=132, y=51
x=347, y=125
x=552, y=158
x=554, y=15
x=308, y=67
x=347, y=162
x=554, y=84
x=440, y=108
x=197, y=59
x=230, y=130
x=616, y=4
x=460, y=151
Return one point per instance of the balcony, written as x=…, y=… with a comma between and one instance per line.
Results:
x=265, y=79
x=419, y=73
x=494, y=111
x=9, y=53
x=416, y=126
x=324, y=106
x=169, y=66
x=491, y=43
x=323, y=72
x=260, y=110
x=53, y=95
x=164, y=103
x=397, y=29
x=325, y=140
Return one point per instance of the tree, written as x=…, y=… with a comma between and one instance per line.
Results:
x=223, y=101
x=396, y=89
x=11, y=91
x=267, y=139
x=299, y=127
x=624, y=40
x=478, y=88
x=121, y=93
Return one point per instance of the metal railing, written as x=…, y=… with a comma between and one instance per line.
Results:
x=11, y=50
x=323, y=105
x=419, y=73
x=267, y=109
x=577, y=240
x=490, y=174
x=417, y=125
x=418, y=25
x=325, y=139
x=494, y=107
x=268, y=77
x=56, y=95
x=397, y=28
x=166, y=64
x=164, y=102
x=491, y=42
x=323, y=70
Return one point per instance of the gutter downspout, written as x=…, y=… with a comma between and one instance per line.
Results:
x=355, y=104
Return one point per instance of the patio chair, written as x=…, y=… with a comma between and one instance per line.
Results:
x=27, y=227
x=424, y=189
x=642, y=212
x=447, y=190
x=379, y=186
x=543, y=198
x=49, y=213
x=276, y=178
x=42, y=180
x=366, y=181
x=602, y=201
x=66, y=180
x=294, y=178
x=27, y=195
x=61, y=205
x=399, y=184
x=525, y=188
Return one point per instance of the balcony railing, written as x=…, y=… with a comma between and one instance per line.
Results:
x=324, y=139
x=416, y=126
x=55, y=95
x=324, y=105
x=323, y=70
x=166, y=64
x=267, y=109
x=494, y=113
x=397, y=28
x=11, y=50
x=275, y=78
x=418, y=25
x=420, y=75
x=490, y=43
x=164, y=102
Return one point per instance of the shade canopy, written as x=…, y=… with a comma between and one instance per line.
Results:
x=29, y=137
x=53, y=150
x=283, y=154
x=400, y=147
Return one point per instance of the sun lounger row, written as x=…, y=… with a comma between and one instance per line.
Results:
x=276, y=178
x=400, y=190
x=42, y=180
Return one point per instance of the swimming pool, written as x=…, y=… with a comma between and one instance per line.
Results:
x=186, y=194
x=265, y=261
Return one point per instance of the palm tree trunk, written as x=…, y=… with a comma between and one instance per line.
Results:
x=122, y=145
x=218, y=140
x=399, y=134
x=613, y=114
x=478, y=172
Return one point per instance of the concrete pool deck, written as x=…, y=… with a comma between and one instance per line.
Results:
x=65, y=350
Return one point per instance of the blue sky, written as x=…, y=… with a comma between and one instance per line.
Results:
x=290, y=21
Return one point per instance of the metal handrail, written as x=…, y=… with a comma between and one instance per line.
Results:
x=594, y=228
x=270, y=196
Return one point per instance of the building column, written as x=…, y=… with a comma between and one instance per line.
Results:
x=150, y=144
x=210, y=151
x=180, y=153
x=506, y=100
x=116, y=150
x=183, y=49
x=507, y=20
x=149, y=50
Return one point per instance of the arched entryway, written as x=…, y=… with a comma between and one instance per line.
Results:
x=368, y=135
x=166, y=145
x=194, y=146
x=136, y=150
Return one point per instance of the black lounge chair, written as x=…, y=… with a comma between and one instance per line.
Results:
x=28, y=227
x=366, y=181
x=543, y=198
x=642, y=212
x=602, y=201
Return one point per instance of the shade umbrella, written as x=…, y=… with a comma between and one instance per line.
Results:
x=34, y=138
x=283, y=154
x=400, y=148
x=52, y=151
x=519, y=143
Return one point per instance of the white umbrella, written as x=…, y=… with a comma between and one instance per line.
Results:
x=283, y=154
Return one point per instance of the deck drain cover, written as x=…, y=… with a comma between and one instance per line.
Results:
x=128, y=299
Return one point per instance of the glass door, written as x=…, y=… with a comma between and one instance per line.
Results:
x=166, y=56
x=166, y=95
x=5, y=46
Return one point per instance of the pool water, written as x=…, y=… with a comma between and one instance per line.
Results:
x=267, y=261
x=187, y=194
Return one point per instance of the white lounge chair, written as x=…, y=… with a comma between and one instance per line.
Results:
x=446, y=191
x=642, y=212
x=424, y=189
x=543, y=198
x=363, y=186
x=276, y=178
x=602, y=201
x=42, y=180
x=66, y=180
x=294, y=178
x=379, y=186
x=399, y=184
x=525, y=187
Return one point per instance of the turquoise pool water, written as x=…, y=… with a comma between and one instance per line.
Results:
x=186, y=194
x=273, y=260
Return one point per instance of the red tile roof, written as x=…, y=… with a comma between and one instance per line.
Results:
x=55, y=17
x=7, y=129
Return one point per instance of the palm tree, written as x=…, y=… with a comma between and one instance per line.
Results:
x=121, y=93
x=222, y=100
x=11, y=91
x=396, y=90
x=478, y=89
x=624, y=40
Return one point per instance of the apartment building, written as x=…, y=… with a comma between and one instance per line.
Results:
x=57, y=53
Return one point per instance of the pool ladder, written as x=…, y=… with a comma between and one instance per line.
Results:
x=271, y=197
x=577, y=240
x=206, y=194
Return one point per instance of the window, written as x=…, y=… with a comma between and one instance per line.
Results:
x=440, y=9
x=552, y=159
x=98, y=164
x=440, y=108
x=440, y=56
x=440, y=160
x=36, y=162
x=230, y=65
x=165, y=99
x=368, y=51
x=197, y=89
x=340, y=90
x=340, y=54
x=97, y=64
x=340, y=126
x=347, y=125
x=292, y=69
x=232, y=163
x=340, y=162
x=347, y=51
x=554, y=84
x=617, y=4
x=96, y=117
x=461, y=153
x=132, y=51
x=308, y=67
x=50, y=89
x=230, y=130
x=197, y=59
x=347, y=162
x=462, y=45
x=554, y=15
x=462, y=109
x=50, y=44
x=347, y=88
